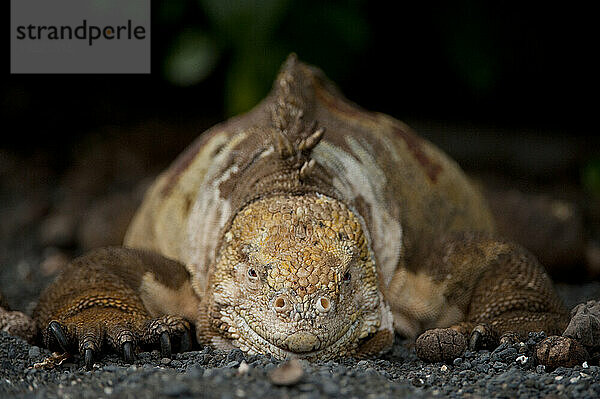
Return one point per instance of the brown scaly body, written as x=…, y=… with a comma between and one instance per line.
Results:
x=311, y=228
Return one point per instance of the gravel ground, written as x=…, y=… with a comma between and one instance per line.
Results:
x=43, y=214
x=508, y=371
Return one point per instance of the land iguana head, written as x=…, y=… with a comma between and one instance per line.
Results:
x=296, y=277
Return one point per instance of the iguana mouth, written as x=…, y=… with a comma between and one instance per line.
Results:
x=252, y=341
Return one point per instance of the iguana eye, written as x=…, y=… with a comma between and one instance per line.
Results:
x=347, y=277
x=252, y=273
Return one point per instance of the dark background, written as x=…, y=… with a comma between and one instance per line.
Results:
x=521, y=69
x=508, y=89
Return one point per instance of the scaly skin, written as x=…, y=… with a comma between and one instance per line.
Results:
x=311, y=228
x=305, y=263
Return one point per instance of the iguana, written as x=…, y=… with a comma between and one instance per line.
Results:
x=308, y=227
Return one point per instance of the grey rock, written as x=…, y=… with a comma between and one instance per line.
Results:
x=231, y=364
x=504, y=355
x=176, y=389
x=329, y=387
x=34, y=352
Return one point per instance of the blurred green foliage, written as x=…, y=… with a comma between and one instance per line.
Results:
x=472, y=45
x=191, y=58
x=591, y=177
x=467, y=59
x=249, y=39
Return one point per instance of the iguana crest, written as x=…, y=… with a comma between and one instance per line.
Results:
x=293, y=139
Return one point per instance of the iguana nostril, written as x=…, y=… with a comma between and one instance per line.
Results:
x=323, y=304
x=280, y=304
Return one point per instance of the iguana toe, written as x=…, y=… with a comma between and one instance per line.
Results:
x=483, y=336
x=580, y=339
x=440, y=345
x=89, y=358
x=128, y=354
x=556, y=351
x=57, y=332
x=165, y=345
x=584, y=326
x=163, y=329
x=510, y=338
x=446, y=344
x=96, y=330
x=185, y=344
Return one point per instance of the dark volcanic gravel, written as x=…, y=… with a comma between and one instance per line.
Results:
x=509, y=371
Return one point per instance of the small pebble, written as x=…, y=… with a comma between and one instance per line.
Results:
x=235, y=354
x=269, y=367
x=329, y=387
x=176, y=389
x=540, y=368
x=232, y=364
x=244, y=368
x=306, y=387
x=287, y=374
x=504, y=355
x=522, y=359
x=371, y=371
x=34, y=351
x=418, y=382
x=530, y=382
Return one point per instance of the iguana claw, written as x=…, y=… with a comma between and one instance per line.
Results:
x=474, y=340
x=99, y=334
x=89, y=358
x=483, y=336
x=59, y=335
x=165, y=345
x=186, y=341
x=128, y=354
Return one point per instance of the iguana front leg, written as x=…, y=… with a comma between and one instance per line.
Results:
x=475, y=291
x=120, y=299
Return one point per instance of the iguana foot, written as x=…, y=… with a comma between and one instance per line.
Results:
x=558, y=351
x=584, y=326
x=161, y=329
x=446, y=344
x=17, y=323
x=440, y=345
x=117, y=299
x=93, y=330
x=580, y=339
